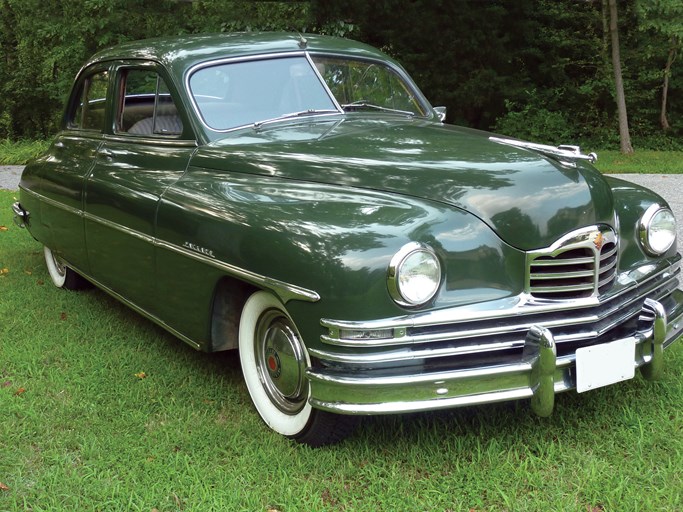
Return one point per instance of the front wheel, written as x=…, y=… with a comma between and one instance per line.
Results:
x=274, y=360
x=61, y=275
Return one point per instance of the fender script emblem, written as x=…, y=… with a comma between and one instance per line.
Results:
x=198, y=249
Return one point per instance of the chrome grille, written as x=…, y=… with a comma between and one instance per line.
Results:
x=492, y=336
x=581, y=264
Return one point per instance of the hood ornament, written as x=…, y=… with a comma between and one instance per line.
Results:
x=564, y=153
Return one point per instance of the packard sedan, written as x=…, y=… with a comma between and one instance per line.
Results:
x=297, y=199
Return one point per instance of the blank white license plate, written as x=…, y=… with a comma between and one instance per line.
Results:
x=602, y=365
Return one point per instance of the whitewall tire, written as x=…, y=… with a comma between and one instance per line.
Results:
x=274, y=361
x=60, y=274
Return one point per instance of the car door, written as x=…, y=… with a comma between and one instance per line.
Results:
x=147, y=150
x=70, y=159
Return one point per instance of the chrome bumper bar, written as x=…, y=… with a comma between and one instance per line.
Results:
x=539, y=374
x=20, y=215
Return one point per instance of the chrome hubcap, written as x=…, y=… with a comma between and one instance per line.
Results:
x=281, y=361
x=59, y=265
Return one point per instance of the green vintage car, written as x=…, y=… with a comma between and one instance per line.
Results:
x=296, y=198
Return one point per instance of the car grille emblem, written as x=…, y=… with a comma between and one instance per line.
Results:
x=598, y=241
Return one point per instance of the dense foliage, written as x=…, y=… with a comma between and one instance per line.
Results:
x=538, y=69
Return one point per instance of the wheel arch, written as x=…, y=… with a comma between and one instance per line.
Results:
x=230, y=295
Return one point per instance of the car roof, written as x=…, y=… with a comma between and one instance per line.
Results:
x=180, y=53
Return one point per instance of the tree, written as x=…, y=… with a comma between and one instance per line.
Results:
x=624, y=135
x=664, y=18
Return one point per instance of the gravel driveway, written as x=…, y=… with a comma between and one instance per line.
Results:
x=9, y=176
x=669, y=186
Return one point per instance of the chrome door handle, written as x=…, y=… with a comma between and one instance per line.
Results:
x=105, y=153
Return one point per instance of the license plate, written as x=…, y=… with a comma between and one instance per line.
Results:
x=602, y=365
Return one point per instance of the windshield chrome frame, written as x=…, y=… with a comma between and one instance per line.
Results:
x=308, y=55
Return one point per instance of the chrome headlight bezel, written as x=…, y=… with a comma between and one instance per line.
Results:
x=650, y=225
x=413, y=253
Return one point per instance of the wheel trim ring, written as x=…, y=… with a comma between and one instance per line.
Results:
x=59, y=265
x=289, y=395
x=55, y=267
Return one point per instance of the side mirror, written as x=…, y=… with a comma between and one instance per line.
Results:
x=441, y=113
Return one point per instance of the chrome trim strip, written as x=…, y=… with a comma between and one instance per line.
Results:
x=285, y=291
x=560, y=288
x=70, y=209
x=118, y=227
x=160, y=141
x=138, y=309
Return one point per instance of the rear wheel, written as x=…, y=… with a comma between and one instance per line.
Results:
x=61, y=275
x=274, y=360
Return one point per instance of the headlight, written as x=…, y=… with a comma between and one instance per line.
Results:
x=657, y=230
x=414, y=275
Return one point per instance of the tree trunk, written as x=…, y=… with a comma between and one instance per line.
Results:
x=665, y=88
x=624, y=135
x=605, y=30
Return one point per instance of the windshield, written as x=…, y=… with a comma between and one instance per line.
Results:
x=361, y=84
x=254, y=92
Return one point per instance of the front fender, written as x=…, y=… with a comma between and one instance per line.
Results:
x=630, y=203
x=334, y=241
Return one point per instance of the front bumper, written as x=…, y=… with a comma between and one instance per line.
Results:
x=525, y=352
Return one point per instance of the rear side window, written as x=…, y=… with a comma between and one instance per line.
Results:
x=147, y=107
x=89, y=110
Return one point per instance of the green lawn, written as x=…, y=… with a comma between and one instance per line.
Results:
x=102, y=410
x=641, y=162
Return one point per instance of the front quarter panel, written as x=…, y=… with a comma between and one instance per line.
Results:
x=334, y=241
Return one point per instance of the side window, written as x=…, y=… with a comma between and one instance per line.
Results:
x=146, y=106
x=89, y=110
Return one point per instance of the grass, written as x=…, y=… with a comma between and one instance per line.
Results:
x=102, y=410
x=20, y=152
x=640, y=162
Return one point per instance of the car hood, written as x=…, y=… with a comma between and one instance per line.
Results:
x=528, y=199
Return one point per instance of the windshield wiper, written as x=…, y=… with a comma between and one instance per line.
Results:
x=291, y=115
x=362, y=104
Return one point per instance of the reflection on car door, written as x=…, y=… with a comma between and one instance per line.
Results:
x=132, y=170
x=66, y=167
